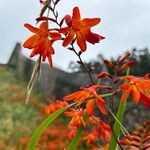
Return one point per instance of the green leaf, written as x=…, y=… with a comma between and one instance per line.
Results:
x=117, y=126
x=45, y=123
x=76, y=139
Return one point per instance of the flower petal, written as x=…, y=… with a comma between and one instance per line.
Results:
x=64, y=30
x=125, y=86
x=76, y=14
x=68, y=20
x=30, y=42
x=89, y=107
x=31, y=28
x=87, y=22
x=136, y=94
x=94, y=38
x=102, y=108
x=44, y=26
x=81, y=41
x=69, y=38
x=145, y=99
x=125, y=95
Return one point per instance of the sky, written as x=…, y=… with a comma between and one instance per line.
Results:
x=124, y=23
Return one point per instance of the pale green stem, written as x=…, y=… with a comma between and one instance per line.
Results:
x=106, y=95
x=123, y=128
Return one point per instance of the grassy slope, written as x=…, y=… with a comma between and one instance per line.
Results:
x=16, y=120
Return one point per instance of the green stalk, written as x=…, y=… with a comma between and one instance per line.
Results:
x=117, y=126
x=75, y=141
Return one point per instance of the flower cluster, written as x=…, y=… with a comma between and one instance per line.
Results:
x=90, y=102
x=77, y=29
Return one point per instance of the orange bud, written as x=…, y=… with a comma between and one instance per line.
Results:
x=102, y=75
x=126, y=65
x=109, y=64
x=122, y=59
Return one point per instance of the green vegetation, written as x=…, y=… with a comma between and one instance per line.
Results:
x=16, y=119
x=141, y=58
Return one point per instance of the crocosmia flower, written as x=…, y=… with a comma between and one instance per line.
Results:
x=41, y=42
x=77, y=118
x=91, y=137
x=138, y=87
x=80, y=29
x=90, y=96
x=55, y=106
x=104, y=131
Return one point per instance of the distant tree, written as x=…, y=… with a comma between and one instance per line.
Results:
x=141, y=57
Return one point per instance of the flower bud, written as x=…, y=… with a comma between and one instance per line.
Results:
x=126, y=65
x=109, y=64
x=102, y=75
x=122, y=59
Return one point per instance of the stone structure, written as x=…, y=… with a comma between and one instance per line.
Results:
x=53, y=81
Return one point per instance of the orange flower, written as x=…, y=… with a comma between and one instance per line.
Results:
x=72, y=133
x=77, y=118
x=89, y=95
x=41, y=42
x=104, y=131
x=139, y=88
x=55, y=106
x=80, y=30
x=91, y=137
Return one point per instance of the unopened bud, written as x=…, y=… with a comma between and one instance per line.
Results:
x=102, y=74
x=126, y=65
x=68, y=20
x=117, y=80
x=146, y=76
x=116, y=92
x=122, y=59
x=109, y=64
x=41, y=18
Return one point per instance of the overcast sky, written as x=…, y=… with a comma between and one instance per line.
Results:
x=125, y=24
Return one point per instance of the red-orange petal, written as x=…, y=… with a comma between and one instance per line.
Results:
x=125, y=95
x=81, y=41
x=55, y=35
x=31, y=28
x=68, y=20
x=87, y=22
x=93, y=37
x=44, y=26
x=64, y=30
x=101, y=107
x=71, y=96
x=76, y=14
x=125, y=86
x=136, y=94
x=89, y=107
x=69, y=38
x=145, y=99
x=30, y=42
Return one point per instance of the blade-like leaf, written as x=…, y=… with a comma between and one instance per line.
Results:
x=45, y=123
x=75, y=140
x=116, y=128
